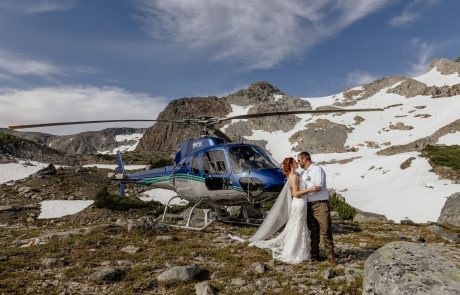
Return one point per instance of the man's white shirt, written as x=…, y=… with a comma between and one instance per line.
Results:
x=314, y=175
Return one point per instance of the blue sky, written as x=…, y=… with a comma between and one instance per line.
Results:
x=97, y=59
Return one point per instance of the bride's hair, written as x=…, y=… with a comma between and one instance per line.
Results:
x=287, y=165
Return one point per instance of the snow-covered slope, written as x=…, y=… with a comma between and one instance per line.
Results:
x=126, y=143
x=436, y=78
x=377, y=183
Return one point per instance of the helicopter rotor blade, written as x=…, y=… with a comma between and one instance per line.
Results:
x=86, y=122
x=269, y=114
x=221, y=134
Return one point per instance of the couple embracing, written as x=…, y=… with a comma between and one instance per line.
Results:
x=303, y=206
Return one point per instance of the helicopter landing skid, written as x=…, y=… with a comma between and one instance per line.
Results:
x=207, y=219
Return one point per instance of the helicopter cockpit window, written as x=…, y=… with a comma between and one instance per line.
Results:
x=247, y=157
x=195, y=168
x=213, y=162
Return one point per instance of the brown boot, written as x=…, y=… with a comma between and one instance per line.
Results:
x=331, y=259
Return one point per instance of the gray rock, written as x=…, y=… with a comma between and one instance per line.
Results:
x=50, y=170
x=367, y=217
x=444, y=233
x=335, y=216
x=130, y=249
x=256, y=267
x=52, y=262
x=407, y=221
x=238, y=282
x=180, y=273
x=259, y=293
x=450, y=213
x=352, y=274
x=328, y=273
x=125, y=263
x=204, y=288
x=26, y=189
x=121, y=222
x=411, y=268
x=166, y=238
x=267, y=282
x=108, y=274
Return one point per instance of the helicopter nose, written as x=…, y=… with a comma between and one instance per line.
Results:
x=273, y=179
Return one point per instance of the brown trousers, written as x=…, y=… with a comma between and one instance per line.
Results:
x=319, y=224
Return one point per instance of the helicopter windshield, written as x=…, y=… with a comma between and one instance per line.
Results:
x=246, y=157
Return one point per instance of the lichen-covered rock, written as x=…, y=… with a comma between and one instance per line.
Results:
x=367, y=217
x=108, y=274
x=410, y=268
x=204, y=288
x=180, y=273
x=450, y=213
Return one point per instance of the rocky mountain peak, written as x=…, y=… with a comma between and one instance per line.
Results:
x=163, y=138
x=446, y=66
x=255, y=93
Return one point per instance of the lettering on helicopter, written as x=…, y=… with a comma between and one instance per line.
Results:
x=197, y=144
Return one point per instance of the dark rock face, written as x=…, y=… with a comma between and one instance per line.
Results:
x=450, y=213
x=14, y=147
x=322, y=136
x=82, y=143
x=165, y=137
x=412, y=268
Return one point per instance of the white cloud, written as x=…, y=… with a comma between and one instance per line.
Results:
x=17, y=65
x=36, y=6
x=258, y=33
x=357, y=78
x=411, y=12
x=70, y=103
x=424, y=54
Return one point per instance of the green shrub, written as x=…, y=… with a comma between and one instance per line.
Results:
x=441, y=155
x=104, y=199
x=160, y=163
x=337, y=203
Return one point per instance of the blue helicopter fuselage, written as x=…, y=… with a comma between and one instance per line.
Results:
x=208, y=169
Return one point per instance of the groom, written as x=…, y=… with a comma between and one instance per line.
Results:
x=318, y=215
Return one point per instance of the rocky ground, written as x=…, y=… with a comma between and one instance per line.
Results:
x=100, y=251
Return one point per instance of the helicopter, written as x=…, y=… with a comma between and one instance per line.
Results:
x=212, y=171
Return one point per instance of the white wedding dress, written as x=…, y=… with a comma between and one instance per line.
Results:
x=292, y=245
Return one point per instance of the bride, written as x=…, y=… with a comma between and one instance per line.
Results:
x=292, y=245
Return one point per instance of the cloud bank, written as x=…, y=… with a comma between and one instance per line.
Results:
x=411, y=12
x=259, y=33
x=69, y=103
x=36, y=6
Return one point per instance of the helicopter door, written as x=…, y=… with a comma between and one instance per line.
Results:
x=215, y=171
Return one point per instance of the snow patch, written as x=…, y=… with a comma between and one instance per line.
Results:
x=435, y=78
x=16, y=171
x=113, y=166
x=60, y=208
x=450, y=139
x=162, y=196
x=122, y=138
